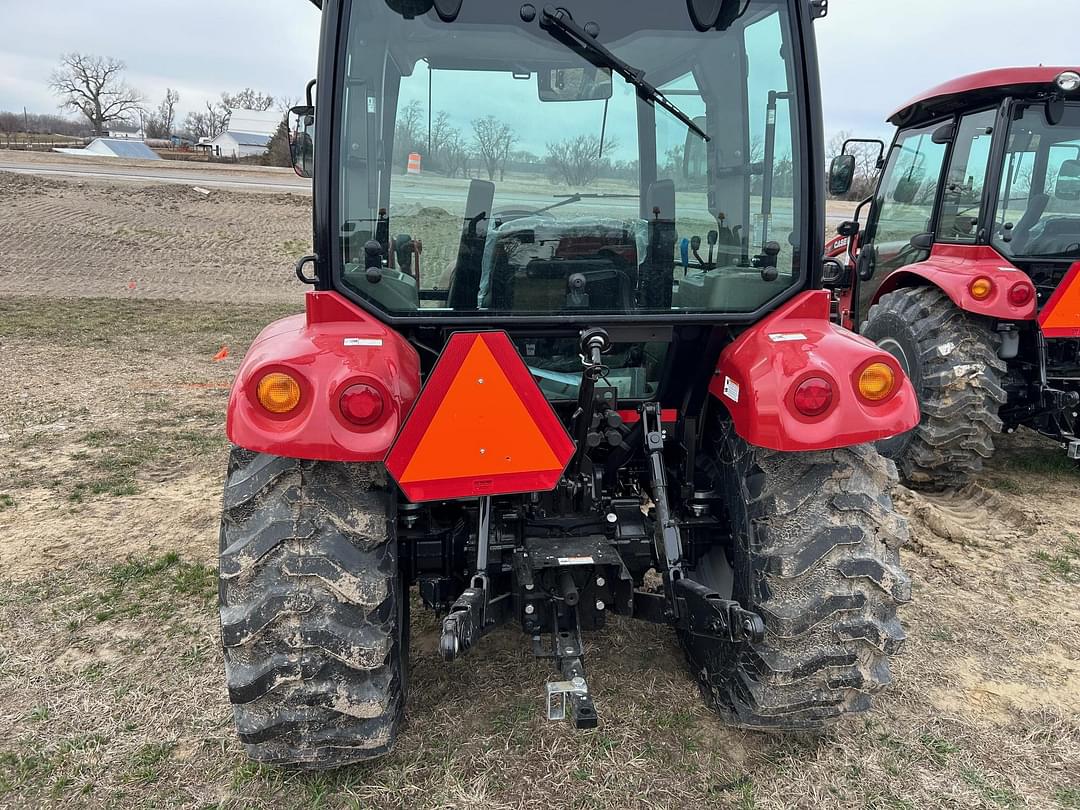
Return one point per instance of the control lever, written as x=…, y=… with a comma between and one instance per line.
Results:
x=695, y=246
x=766, y=261
x=373, y=261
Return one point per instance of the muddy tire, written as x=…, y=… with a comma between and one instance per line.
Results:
x=814, y=550
x=952, y=359
x=314, y=620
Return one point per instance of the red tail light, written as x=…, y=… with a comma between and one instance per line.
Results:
x=813, y=396
x=1021, y=294
x=362, y=404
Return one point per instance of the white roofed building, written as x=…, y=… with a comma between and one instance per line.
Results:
x=248, y=134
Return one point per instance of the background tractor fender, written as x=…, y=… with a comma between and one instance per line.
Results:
x=952, y=269
x=758, y=374
x=334, y=346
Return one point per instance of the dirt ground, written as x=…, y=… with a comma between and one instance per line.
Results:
x=111, y=687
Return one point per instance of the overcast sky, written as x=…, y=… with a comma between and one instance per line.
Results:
x=875, y=54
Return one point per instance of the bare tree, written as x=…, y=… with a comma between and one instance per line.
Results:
x=159, y=123
x=407, y=131
x=286, y=103
x=455, y=153
x=493, y=140
x=440, y=132
x=247, y=99
x=578, y=161
x=94, y=86
x=208, y=124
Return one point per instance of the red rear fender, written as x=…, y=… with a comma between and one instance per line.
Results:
x=952, y=269
x=758, y=374
x=335, y=345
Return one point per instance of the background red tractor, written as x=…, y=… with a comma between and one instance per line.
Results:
x=968, y=269
x=583, y=421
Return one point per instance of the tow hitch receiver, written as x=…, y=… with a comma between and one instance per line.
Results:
x=568, y=698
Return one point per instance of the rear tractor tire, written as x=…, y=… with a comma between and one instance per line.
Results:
x=814, y=550
x=952, y=360
x=314, y=620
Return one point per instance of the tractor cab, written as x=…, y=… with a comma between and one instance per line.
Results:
x=978, y=201
x=503, y=163
x=566, y=356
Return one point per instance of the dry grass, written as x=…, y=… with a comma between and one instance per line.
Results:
x=111, y=692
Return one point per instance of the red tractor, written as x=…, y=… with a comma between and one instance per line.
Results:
x=582, y=420
x=968, y=269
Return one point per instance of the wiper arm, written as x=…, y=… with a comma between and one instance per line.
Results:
x=569, y=199
x=565, y=30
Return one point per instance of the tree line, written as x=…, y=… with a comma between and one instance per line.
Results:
x=487, y=148
x=95, y=90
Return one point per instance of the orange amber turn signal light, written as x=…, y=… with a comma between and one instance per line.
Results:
x=981, y=288
x=876, y=382
x=278, y=392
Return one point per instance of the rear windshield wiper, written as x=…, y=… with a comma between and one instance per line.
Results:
x=565, y=30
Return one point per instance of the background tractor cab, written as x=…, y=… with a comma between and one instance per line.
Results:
x=567, y=328
x=972, y=246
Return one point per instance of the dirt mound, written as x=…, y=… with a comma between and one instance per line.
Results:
x=973, y=516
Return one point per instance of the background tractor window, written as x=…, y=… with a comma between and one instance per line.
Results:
x=905, y=203
x=961, y=209
x=1038, y=211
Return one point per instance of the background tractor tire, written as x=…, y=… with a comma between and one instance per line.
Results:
x=314, y=620
x=952, y=360
x=814, y=550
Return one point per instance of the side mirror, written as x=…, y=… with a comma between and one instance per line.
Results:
x=1055, y=110
x=695, y=166
x=841, y=175
x=849, y=228
x=574, y=84
x=944, y=134
x=907, y=190
x=922, y=241
x=302, y=142
x=1068, y=181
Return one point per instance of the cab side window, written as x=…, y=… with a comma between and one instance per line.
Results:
x=961, y=208
x=903, y=208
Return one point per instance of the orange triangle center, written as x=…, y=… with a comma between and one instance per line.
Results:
x=481, y=428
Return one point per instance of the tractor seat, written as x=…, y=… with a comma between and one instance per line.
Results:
x=540, y=264
x=1057, y=236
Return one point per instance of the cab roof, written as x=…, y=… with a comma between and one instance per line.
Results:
x=976, y=90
